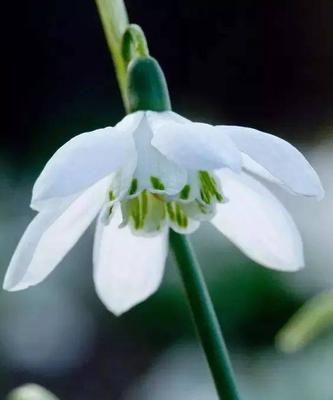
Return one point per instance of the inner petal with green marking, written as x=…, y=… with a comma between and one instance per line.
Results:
x=145, y=212
x=149, y=210
x=155, y=191
x=209, y=190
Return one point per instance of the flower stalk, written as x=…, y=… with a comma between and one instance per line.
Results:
x=204, y=317
x=114, y=19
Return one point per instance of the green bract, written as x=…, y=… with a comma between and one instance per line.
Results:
x=147, y=88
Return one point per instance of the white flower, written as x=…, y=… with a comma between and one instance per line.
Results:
x=31, y=391
x=152, y=171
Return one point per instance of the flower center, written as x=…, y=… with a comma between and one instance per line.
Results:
x=149, y=212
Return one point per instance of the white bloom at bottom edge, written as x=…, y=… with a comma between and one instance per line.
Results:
x=151, y=172
x=31, y=391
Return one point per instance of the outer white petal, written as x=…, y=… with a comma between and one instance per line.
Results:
x=50, y=235
x=81, y=162
x=127, y=268
x=165, y=116
x=152, y=164
x=281, y=160
x=255, y=221
x=130, y=122
x=120, y=181
x=250, y=165
x=193, y=145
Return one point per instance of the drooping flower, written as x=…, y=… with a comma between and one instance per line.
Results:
x=151, y=172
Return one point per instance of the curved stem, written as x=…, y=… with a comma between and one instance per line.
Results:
x=204, y=317
x=134, y=37
x=114, y=19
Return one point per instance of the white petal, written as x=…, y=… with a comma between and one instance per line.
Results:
x=194, y=145
x=191, y=227
x=194, y=188
x=127, y=268
x=281, y=160
x=49, y=237
x=255, y=221
x=165, y=116
x=250, y=165
x=154, y=167
x=121, y=180
x=130, y=122
x=81, y=162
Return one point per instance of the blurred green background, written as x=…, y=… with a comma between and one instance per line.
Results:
x=262, y=64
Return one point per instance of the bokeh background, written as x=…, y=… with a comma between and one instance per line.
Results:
x=255, y=63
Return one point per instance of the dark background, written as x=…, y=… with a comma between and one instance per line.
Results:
x=256, y=63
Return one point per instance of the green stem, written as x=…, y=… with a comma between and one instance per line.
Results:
x=114, y=19
x=204, y=317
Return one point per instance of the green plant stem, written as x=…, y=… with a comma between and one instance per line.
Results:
x=114, y=19
x=204, y=317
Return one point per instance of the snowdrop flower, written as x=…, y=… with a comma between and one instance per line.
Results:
x=151, y=172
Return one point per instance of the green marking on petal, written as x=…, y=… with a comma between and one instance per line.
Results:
x=219, y=197
x=181, y=216
x=185, y=192
x=208, y=188
x=149, y=211
x=177, y=214
x=203, y=208
x=171, y=212
x=157, y=183
x=134, y=211
x=134, y=186
x=144, y=204
x=205, y=196
x=111, y=196
x=144, y=212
